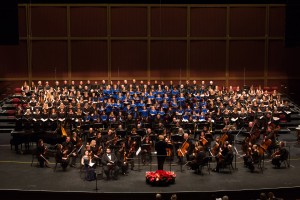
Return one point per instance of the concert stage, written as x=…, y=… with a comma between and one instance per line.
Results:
x=21, y=180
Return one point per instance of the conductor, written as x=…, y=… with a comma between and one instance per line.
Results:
x=160, y=148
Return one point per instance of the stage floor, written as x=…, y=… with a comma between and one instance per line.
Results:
x=16, y=173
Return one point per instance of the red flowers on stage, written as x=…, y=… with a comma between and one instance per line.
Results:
x=160, y=177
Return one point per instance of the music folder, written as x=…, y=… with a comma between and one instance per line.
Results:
x=138, y=151
x=91, y=164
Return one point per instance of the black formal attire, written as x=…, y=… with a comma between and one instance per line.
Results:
x=112, y=158
x=283, y=155
x=199, y=159
x=160, y=148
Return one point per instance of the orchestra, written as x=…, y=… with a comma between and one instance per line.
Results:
x=117, y=120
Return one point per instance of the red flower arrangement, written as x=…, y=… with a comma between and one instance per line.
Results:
x=160, y=177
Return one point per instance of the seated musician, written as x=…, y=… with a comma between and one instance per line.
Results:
x=198, y=159
x=61, y=157
x=41, y=154
x=280, y=155
x=70, y=151
x=146, y=149
x=122, y=158
x=109, y=161
x=224, y=156
x=186, y=148
x=252, y=157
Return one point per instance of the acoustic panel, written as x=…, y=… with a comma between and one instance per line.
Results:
x=14, y=60
x=241, y=83
x=49, y=59
x=277, y=21
x=128, y=21
x=247, y=21
x=248, y=56
x=88, y=21
x=129, y=58
x=276, y=62
x=208, y=22
x=48, y=21
x=89, y=58
x=168, y=21
x=168, y=59
x=208, y=58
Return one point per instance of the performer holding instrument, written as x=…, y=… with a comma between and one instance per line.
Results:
x=41, y=154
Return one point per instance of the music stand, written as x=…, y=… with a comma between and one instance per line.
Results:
x=146, y=125
x=159, y=131
x=121, y=133
x=141, y=132
x=97, y=125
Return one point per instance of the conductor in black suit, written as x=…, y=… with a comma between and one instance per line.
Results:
x=109, y=161
x=160, y=148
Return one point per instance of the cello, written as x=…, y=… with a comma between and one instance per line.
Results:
x=183, y=149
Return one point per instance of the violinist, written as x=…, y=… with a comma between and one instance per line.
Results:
x=252, y=157
x=41, y=154
x=61, y=158
x=146, y=149
x=280, y=155
x=225, y=155
x=70, y=151
x=91, y=135
x=108, y=139
x=122, y=158
x=76, y=141
x=198, y=158
x=131, y=147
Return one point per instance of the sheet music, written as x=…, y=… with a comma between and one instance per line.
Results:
x=138, y=151
x=91, y=164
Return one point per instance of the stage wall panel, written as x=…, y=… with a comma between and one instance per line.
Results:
x=48, y=21
x=208, y=58
x=276, y=62
x=13, y=60
x=129, y=21
x=89, y=58
x=168, y=59
x=129, y=58
x=277, y=21
x=248, y=55
x=49, y=59
x=208, y=22
x=168, y=21
x=88, y=21
x=150, y=41
x=247, y=21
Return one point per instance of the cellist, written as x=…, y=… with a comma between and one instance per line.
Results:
x=186, y=148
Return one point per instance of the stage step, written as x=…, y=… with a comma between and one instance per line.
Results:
x=7, y=124
x=7, y=118
x=284, y=131
x=6, y=130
